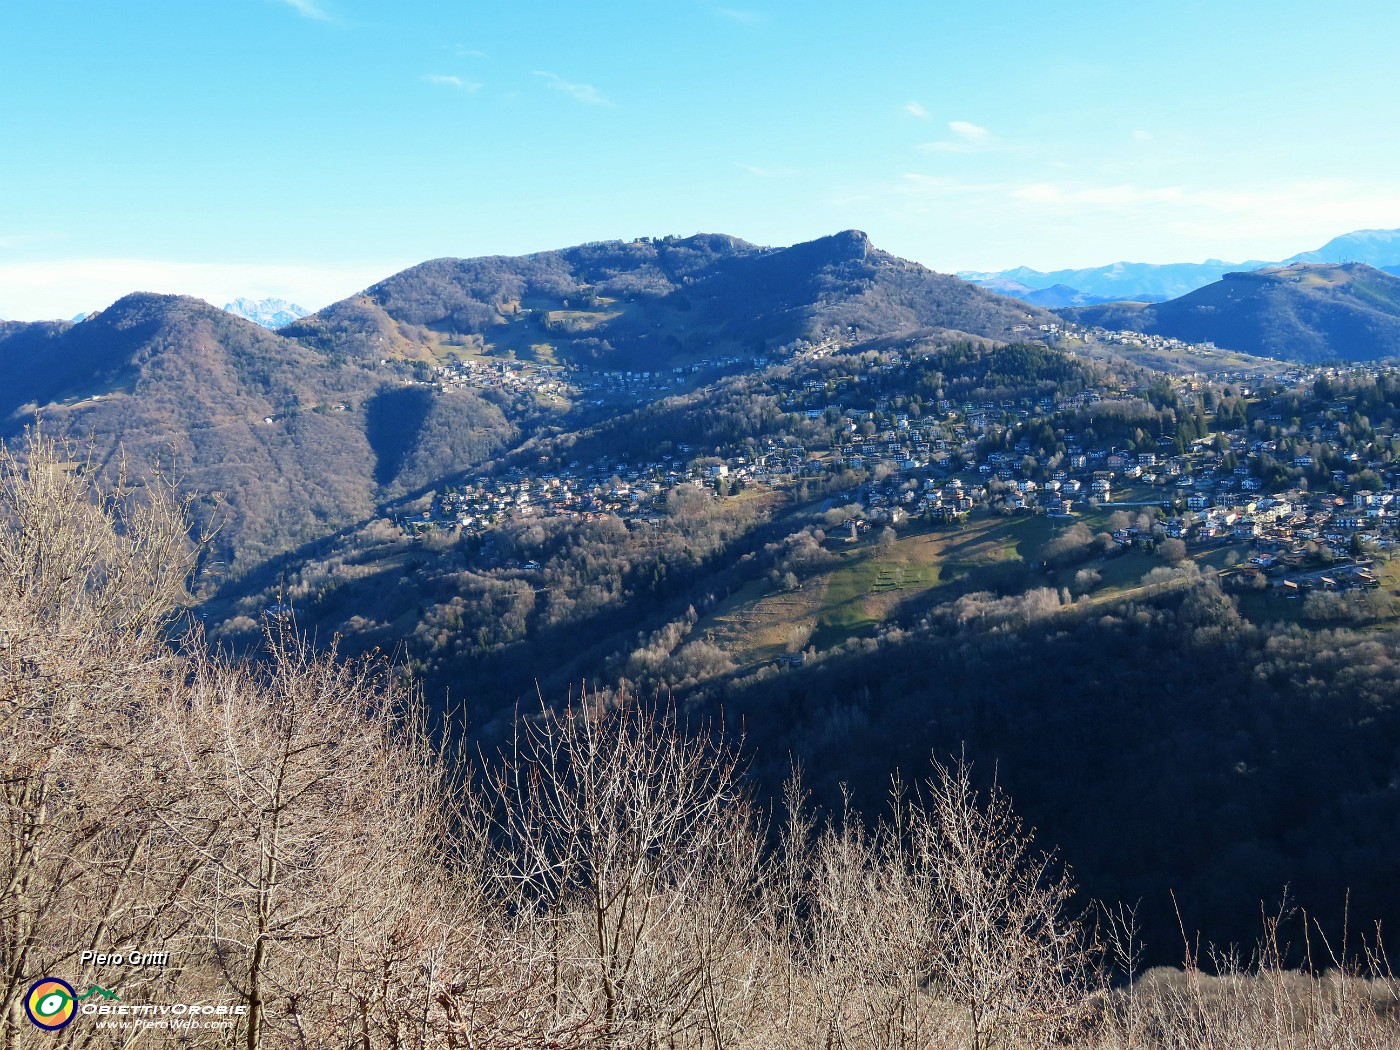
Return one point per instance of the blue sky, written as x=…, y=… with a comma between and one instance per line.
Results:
x=306, y=148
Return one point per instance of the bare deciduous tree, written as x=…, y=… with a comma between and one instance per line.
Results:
x=636, y=846
x=1008, y=954
x=89, y=584
x=277, y=827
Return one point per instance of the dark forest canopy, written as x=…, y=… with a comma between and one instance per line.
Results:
x=1165, y=744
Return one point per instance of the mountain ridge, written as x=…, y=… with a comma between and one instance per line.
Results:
x=309, y=428
x=777, y=482
x=654, y=300
x=1128, y=281
x=230, y=407
x=1307, y=312
x=1378, y=248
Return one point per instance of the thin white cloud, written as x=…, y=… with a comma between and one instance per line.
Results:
x=1142, y=136
x=462, y=51
x=767, y=173
x=740, y=15
x=585, y=93
x=914, y=109
x=968, y=131
x=967, y=138
x=308, y=9
x=443, y=80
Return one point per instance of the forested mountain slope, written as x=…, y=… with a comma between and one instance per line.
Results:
x=1303, y=312
x=655, y=302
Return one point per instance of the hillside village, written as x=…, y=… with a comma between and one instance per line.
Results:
x=580, y=384
x=1295, y=491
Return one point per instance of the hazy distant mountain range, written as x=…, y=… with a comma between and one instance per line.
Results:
x=1305, y=311
x=270, y=313
x=1057, y=295
x=1378, y=248
x=1153, y=282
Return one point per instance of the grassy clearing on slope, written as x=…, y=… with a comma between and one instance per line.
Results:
x=757, y=625
x=584, y=320
x=872, y=582
x=927, y=566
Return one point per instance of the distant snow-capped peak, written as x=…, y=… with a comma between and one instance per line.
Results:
x=270, y=313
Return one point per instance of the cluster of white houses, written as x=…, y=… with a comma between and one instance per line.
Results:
x=929, y=468
x=937, y=465
x=634, y=492
x=576, y=383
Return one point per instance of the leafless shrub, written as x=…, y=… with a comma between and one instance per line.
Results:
x=274, y=827
x=1008, y=954
x=89, y=585
x=633, y=850
x=1343, y=999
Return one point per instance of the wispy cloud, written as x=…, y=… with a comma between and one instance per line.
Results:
x=443, y=80
x=767, y=173
x=914, y=109
x=585, y=93
x=740, y=15
x=1267, y=219
x=967, y=138
x=968, y=131
x=462, y=51
x=1142, y=136
x=309, y=9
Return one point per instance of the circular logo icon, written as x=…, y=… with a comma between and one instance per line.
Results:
x=51, y=1003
